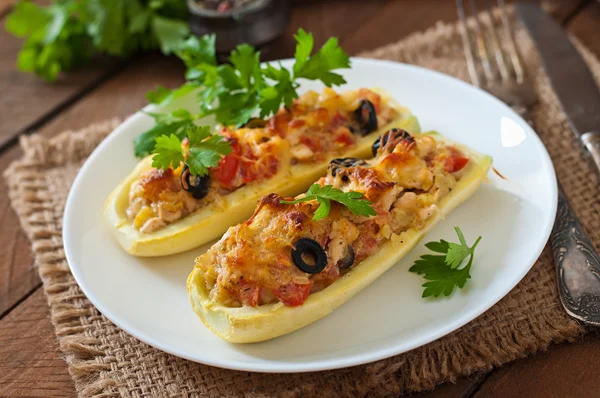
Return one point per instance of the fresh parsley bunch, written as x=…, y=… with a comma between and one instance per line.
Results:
x=68, y=33
x=236, y=91
x=354, y=201
x=442, y=271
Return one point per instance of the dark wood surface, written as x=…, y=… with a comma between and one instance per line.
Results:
x=30, y=362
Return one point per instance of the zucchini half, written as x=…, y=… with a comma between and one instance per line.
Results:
x=254, y=324
x=210, y=222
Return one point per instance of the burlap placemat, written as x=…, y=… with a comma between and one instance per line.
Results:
x=106, y=362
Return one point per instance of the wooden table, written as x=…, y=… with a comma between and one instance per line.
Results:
x=30, y=362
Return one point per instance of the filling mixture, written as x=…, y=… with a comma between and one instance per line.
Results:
x=316, y=125
x=282, y=255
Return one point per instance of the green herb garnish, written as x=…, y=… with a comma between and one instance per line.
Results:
x=205, y=150
x=241, y=89
x=68, y=33
x=354, y=201
x=442, y=271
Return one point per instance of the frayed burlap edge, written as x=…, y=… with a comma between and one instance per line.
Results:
x=104, y=361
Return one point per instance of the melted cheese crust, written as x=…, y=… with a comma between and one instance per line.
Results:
x=252, y=264
x=315, y=126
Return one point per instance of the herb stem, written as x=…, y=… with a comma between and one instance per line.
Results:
x=461, y=237
x=475, y=245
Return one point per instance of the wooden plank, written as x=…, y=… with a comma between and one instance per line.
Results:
x=29, y=371
x=452, y=390
x=18, y=276
x=586, y=26
x=27, y=100
x=566, y=370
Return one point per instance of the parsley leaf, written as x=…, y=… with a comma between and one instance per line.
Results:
x=204, y=150
x=284, y=91
x=319, y=66
x=163, y=96
x=195, y=51
x=442, y=271
x=175, y=122
x=27, y=19
x=106, y=24
x=167, y=152
x=158, y=95
x=354, y=201
x=170, y=33
x=245, y=60
x=305, y=43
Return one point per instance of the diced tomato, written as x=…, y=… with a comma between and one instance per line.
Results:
x=318, y=117
x=293, y=294
x=448, y=164
x=227, y=170
x=249, y=293
x=460, y=162
x=338, y=120
x=364, y=246
x=295, y=123
x=248, y=173
x=273, y=166
x=312, y=143
x=344, y=136
x=279, y=123
x=298, y=108
x=456, y=161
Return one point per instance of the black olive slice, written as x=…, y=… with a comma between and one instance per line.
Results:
x=348, y=259
x=344, y=163
x=385, y=137
x=255, y=123
x=366, y=116
x=196, y=185
x=308, y=249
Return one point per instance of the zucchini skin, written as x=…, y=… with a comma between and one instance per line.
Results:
x=210, y=222
x=255, y=324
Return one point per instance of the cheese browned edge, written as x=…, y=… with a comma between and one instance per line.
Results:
x=254, y=324
x=211, y=221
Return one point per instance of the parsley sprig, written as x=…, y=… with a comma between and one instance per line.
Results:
x=442, y=271
x=242, y=88
x=204, y=150
x=354, y=201
x=67, y=33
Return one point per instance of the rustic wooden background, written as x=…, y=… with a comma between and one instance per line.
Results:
x=30, y=362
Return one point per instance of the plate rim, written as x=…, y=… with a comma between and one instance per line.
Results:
x=270, y=366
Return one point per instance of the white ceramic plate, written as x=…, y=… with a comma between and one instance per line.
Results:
x=148, y=299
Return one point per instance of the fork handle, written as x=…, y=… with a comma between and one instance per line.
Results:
x=577, y=265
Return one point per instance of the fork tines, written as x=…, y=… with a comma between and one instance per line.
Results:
x=486, y=32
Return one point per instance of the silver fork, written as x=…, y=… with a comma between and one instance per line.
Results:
x=491, y=67
x=501, y=71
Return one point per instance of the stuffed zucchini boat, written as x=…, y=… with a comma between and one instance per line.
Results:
x=159, y=212
x=281, y=270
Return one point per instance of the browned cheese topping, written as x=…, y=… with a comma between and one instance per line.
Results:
x=252, y=264
x=315, y=126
